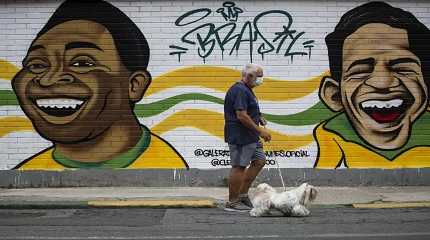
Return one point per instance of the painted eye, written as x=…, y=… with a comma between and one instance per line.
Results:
x=359, y=74
x=405, y=71
x=83, y=63
x=37, y=67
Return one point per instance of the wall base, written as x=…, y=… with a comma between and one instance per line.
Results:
x=211, y=178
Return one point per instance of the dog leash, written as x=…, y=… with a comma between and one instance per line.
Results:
x=269, y=145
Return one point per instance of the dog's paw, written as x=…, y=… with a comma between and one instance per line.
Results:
x=300, y=211
x=255, y=213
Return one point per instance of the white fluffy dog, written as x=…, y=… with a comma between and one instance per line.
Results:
x=291, y=203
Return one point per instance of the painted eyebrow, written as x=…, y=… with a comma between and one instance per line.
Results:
x=402, y=60
x=366, y=61
x=73, y=45
x=35, y=47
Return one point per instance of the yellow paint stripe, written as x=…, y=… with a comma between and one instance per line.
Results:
x=198, y=203
x=213, y=77
x=208, y=121
x=7, y=70
x=213, y=123
x=392, y=205
x=221, y=78
x=14, y=124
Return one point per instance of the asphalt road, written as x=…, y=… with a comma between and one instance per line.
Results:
x=324, y=223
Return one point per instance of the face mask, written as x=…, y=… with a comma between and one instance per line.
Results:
x=258, y=81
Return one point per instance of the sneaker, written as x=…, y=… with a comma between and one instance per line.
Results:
x=245, y=200
x=236, y=207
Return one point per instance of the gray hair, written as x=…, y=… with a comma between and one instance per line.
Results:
x=250, y=68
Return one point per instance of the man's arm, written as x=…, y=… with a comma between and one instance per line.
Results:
x=246, y=120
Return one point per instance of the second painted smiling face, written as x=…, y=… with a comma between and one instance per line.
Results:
x=73, y=85
x=382, y=89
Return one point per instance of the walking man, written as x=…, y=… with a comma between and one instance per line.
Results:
x=242, y=131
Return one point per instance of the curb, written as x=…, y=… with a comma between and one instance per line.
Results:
x=43, y=205
x=154, y=203
x=381, y=205
x=179, y=203
x=111, y=203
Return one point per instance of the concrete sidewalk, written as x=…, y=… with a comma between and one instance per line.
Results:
x=416, y=196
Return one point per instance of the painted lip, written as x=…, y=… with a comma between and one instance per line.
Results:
x=60, y=109
x=387, y=110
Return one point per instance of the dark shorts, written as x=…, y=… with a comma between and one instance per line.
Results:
x=243, y=155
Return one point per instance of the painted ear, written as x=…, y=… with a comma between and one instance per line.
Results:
x=138, y=84
x=330, y=94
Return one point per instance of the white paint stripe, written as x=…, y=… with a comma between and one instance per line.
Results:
x=289, y=107
x=154, y=120
x=268, y=107
x=151, y=237
x=202, y=105
x=279, y=107
x=11, y=111
x=291, y=130
x=274, y=108
x=5, y=84
x=171, y=92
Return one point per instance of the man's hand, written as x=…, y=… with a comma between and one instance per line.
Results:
x=246, y=120
x=263, y=121
x=264, y=133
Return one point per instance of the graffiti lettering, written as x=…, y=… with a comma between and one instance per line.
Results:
x=226, y=162
x=288, y=154
x=230, y=36
x=211, y=152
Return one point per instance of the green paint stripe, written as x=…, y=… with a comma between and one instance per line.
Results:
x=8, y=98
x=151, y=109
x=310, y=116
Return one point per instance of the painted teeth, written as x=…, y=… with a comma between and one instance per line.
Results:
x=382, y=104
x=59, y=103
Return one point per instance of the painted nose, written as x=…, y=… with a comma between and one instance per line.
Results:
x=382, y=79
x=56, y=78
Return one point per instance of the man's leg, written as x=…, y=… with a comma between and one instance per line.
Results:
x=240, y=158
x=235, y=182
x=250, y=174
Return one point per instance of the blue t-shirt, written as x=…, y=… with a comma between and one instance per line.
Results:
x=240, y=97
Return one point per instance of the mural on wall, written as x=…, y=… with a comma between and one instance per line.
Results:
x=80, y=80
x=209, y=36
x=379, y=62
x=85, y=87
x=283, y=147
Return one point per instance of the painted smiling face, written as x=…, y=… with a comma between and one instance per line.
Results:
x=73, y=85
x=382, y=89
